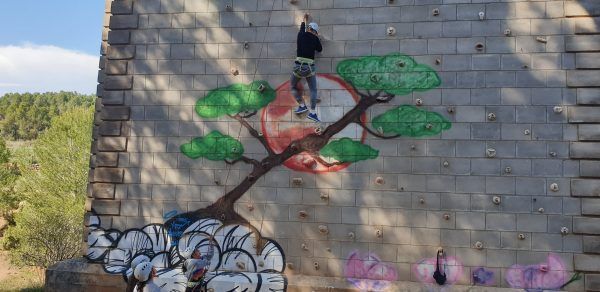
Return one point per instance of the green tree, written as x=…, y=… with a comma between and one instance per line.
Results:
x=25, y=116
x=48, y=227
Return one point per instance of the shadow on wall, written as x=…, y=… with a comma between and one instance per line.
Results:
x=189, y=82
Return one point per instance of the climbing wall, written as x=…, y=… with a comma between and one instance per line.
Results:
x=467, y=126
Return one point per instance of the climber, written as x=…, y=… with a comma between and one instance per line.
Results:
x=304, y=67
x=145, y=273
x=195, y=266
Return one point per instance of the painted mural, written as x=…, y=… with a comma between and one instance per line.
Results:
x=549, y=275
x=368, y=273
x=242, y=256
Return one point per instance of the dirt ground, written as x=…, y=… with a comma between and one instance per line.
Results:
x=6, y=270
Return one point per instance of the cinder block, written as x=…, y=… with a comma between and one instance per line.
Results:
x=586, y=225
x=582, y=43
x=590, y=207
x=532, y=223
x=588, y=132
x=582, y=8
x=590, y=168
x=501, y=222
x=123, y=21
x=115, y=113
x=106, y=207
x=107, y=128
x=121, y=7
x=111, y=144
x=118, y=82
x=587, y=262
x=589, y=96
x=109, y=175
x=121, y=52
x=108, y=159
x=583, y=78
x=591, y=244
x=592, y=282
x=585, y=188
x=118, y=37
x=585, y=150
x=103, y=191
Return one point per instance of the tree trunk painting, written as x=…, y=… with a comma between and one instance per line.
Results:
x=373, y=79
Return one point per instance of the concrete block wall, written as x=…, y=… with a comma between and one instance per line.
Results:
x=535, y=72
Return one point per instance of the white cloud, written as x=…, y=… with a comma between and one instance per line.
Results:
x=36, y=68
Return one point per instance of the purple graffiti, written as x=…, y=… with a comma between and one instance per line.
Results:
x=423, y=270
x=368, y=273
x=548, y=275
x=481, y=276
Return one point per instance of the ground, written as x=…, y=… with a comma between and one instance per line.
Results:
x=17, y=279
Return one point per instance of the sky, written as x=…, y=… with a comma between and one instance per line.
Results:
x=50, y=45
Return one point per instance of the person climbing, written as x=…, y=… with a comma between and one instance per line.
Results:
x=145, y=274
x=195, y=266
x=304, y=67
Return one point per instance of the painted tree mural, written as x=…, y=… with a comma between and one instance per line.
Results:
x=373, y=79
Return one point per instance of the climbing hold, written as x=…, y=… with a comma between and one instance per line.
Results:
x=481, y=15
x=491, y=152
x=323, y=229
x=558, y=109
x=419, y=102
x=401, y=64
x=526, y=132
x=438, y=61
x=211, y=290
x=250, y=207
x=554, y=187
x=541, y=210
x=521, y=236
x=446, y=216
x=422, y=201
x=564, y=230
x=290, y=266
x=413, y=147
x=318, y=130
x=552, y=153
x=380, y=130
x=246, y=45
x=429, y=126
x=261, y=88
x=223, y=217
x=260, y=133
x=507, y=32
x=228, y=7
x=241, y=265
x=378, y=233
x=491, y=117
x=379, y=180
x=316, y=265
x=446, y=164
x=304, y=246
x=496, y=200
x=235, y=72
x=261, y=264
x=302, y=214
x=435, y=12
x=451, y=109
x=297, y=181
x=479, y=245
x=351, y=235
x=251, y=177
x=391, y=31
x=324, y=197
x=541, y=39
x=507, y=169
x=328, y=249
x=479, y=46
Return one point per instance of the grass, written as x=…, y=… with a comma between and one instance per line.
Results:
x=26, y=279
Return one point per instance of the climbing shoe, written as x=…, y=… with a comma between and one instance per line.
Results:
x=301, y=109
x=313, y=117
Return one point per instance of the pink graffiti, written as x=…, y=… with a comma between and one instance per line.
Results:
x=423, y=270
x=368, y=273
x=549, y=275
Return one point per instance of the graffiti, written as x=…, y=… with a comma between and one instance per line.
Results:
x=368, y=273
x=241, y=258
x=551, y=274
x=424, y=269
x=170, y=214
x=372, y=80
x=484, y=277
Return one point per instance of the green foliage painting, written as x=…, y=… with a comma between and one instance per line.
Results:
x=410, y=121
x=214, y=146
x=395, y=74
x=235, y=98
x=375, y=79
x=348, y=150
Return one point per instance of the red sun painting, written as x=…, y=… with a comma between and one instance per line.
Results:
x=281, y=126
